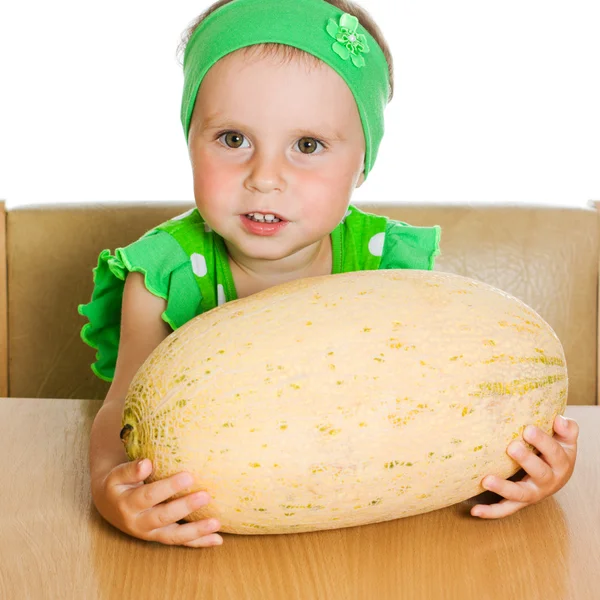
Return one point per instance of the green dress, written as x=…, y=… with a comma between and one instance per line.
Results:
x=186, y=263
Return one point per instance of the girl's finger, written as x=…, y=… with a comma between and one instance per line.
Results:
x=567, y=432
x=195, y=535
x=203, y=542
x=150, y=494
x=168, y=513
x=534, y=465
x=496, y=511
x=523, y=492
x=552, y=451
x=129, y=474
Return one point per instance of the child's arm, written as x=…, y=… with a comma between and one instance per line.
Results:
x=139, y=312
x=118, y=488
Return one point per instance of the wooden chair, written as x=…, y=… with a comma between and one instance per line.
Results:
x=547, y=256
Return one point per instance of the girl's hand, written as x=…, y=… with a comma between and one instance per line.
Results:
x=547, y=473
x=140, y=510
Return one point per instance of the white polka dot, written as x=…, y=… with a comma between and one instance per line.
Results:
x=184, y=215
x=376, y=244
x=199, y=265
x=221, y=295
x=207, y=228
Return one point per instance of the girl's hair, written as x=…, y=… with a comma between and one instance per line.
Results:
x=290, y=53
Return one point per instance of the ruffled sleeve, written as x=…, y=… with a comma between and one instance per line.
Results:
x=167, y=274
x=410, y=247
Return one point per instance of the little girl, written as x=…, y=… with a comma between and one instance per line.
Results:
x=282, y=111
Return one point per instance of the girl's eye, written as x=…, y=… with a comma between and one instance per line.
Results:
x=307, y=145
x=310, y=144
x=232, y=139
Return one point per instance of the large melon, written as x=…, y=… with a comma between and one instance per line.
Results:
x=346, y=399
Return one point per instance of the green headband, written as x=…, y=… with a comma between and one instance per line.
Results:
x=314, y=26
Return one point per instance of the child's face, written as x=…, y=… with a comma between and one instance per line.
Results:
x=265, y=162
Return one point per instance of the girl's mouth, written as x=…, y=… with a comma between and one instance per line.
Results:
x=263, y=228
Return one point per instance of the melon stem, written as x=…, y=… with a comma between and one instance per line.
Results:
x=129, y=439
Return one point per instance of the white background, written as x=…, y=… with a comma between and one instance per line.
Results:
x=494, y=102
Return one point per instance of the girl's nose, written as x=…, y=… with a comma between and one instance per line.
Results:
x=266, y=173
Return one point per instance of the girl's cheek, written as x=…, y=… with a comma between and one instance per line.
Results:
x=317, y=185
x=211, y=176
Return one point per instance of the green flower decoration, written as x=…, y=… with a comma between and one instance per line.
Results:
x=348, y=43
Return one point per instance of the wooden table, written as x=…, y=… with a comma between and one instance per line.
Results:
x=53, y=543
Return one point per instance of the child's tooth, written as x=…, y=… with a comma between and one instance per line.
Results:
x=263, y=218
